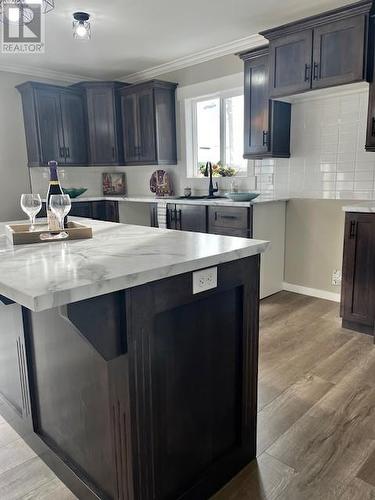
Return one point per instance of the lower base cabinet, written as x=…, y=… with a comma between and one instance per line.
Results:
x=187, y=217
x=99, y=210
x=358, y=274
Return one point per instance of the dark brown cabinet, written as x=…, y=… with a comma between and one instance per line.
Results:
x=266, y=122
x=74, y=128
x=358, y=283
x=149, y=123
x=320, y=51
x=104, y=123
x=55, y=124
x=370, y=133
x=290, y=58
x=187, y=217
x=338, y=52
x=230, y=221
x=105, y=210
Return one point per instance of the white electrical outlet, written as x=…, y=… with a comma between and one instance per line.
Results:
x=204, y=280
x=336, y=278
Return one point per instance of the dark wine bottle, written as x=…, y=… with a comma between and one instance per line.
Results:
x=53, y=188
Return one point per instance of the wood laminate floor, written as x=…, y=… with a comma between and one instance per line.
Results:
x=316, y=431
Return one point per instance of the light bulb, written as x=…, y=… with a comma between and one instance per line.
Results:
x=81, y=30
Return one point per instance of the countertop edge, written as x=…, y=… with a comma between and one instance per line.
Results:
x=63, y=297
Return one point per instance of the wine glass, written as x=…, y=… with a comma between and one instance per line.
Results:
x=31, y=204
x=60, y=205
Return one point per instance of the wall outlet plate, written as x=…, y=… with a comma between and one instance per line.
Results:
x=336, y=278
x=203, y=280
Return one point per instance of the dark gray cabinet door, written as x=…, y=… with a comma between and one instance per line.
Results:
x=146, y=126
x=266, y=122
x=81, y=209
x=187, y=217
x=290, y=63
x=370, y=134
x=149, y=123
x=74, y=129
x=256, y=117
x=48, y=109
x=102, y=125
x=338, y=56
x=358, y=289
x=129, y=105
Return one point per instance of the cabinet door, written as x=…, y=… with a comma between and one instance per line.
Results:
x=256, y=118
x=191, y=218
x=101, y=125
x=290, y=64
x=338, y=55
x=74, y=128
x=81, y=209
x=111, y=211
x=129, y=109
x=146, y=126
x=50, y=125
x=358, y=289
x=370, y=134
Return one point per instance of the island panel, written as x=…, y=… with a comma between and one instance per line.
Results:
x=146, y=393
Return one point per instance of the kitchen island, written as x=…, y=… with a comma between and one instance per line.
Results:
x=131, y=374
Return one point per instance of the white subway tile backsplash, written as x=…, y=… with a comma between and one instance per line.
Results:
x=345, y=176
x=328, y=156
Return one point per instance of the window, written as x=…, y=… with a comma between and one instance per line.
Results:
x=216, y=128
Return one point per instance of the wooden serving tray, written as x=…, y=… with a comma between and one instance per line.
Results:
x=19, y=234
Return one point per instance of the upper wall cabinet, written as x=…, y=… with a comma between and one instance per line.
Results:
x=149, y=123
x=321, y=51
x=55, y=124
x=104, y=123
x=266, y=122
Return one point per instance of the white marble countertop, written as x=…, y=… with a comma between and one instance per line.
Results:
x=364, y=207
x=119, y=256
x=153, y=199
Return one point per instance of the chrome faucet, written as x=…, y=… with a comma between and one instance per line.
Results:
x=211, y=189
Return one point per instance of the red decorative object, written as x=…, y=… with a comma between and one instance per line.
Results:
x=161, y=184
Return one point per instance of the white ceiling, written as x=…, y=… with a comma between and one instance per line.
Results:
x=129, y=36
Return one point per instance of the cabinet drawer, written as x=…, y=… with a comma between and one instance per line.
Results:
x=230, y=217
x=228, y=231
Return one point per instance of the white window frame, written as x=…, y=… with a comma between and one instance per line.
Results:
x=191, y=129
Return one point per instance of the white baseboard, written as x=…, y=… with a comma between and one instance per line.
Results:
x=313, y=292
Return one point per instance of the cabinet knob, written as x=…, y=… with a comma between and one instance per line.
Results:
x=265, y=138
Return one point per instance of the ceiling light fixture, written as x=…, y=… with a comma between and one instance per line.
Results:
x=81, y=26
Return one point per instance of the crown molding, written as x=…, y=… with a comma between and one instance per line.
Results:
x=240, y=45
x=44, y=73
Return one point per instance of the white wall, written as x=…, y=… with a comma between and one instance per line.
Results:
x=14, y=178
